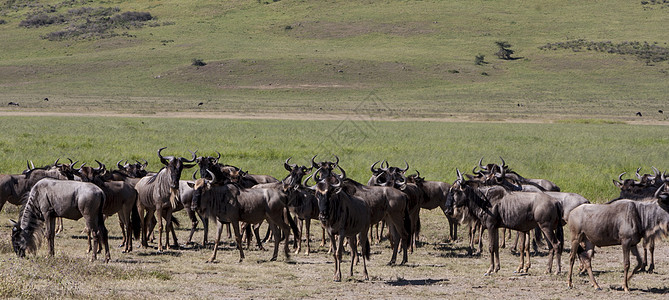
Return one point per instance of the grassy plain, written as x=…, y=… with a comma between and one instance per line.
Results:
x=326, y=56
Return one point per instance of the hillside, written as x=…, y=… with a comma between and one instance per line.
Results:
x=412, y=58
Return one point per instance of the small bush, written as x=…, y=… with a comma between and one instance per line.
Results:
x=198, y=62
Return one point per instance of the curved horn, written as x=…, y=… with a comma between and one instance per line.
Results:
x=336, y=162
x=661, y=189
x=407, y=167
x=56, y=162
x=304, y=183
x=338, y=184
x=213, y=177
x=288, y=166
x=28, y=165
x=194, y=178
x=101, y=167
x=460, y=178
x=503, y=163
x=313, y=163
x=219, y=156
x=656, y=171
x=620, y=177
x=184, y=160
x=663, y=176
x=164, y=160
x=372, y=167
x=343, y=173
x=118, y=164
x=637, y=173
x=417, y=173
x=387, y=165
x=481, y=166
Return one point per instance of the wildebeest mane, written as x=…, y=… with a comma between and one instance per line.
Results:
x=30, y=221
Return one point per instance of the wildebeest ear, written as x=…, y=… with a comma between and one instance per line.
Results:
x=617, y=184
x=13, y=223
x=191, y=184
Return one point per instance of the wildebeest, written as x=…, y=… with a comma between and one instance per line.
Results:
x=344, y=216
x=496, y=207
x=495, y=169
x=159, y=194
x=233, y=204
x=121, y=198
x=434, y=195
x=51, y=198
x=623, y=222
x=385, y=203
x=13, y=104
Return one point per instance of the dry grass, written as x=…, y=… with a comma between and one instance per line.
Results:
x=437, y=269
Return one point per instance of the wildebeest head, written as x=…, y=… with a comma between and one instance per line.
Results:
x=136, y=170
x=21, y=243
x=460, y=193
x=174, y=166
x=327, y=195
x=326, y=168
x=89, y=174
x=297, y=172
x=199, y=186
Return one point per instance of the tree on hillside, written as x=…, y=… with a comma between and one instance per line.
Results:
x=504, y=51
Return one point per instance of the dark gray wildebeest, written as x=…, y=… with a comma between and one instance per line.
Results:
x=51, y=198
x=301, y=202
x=542, y=184
x=231, y=203
x=434, y=195
x=644, y=191
x=344, y=216
x=159, y=195
x=623, y=222
x=121, y=199
x=496, y=207
x=385, y=203
x=230, y=174
x=394, y=177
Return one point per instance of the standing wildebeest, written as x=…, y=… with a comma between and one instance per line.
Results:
x=642, y=190
x=434, y=195
x=385, y=203
x=121, y=198
x=344, y=216
x=623, y=222
x=233, y=204
x=51, y=198
x=159, y=194
x=496, y=207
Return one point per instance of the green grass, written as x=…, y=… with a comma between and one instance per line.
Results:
x=400, y=50
x=581, y=157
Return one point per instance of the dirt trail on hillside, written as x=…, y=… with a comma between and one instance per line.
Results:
x=307, y=117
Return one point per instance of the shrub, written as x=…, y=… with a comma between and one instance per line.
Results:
x=198, y=62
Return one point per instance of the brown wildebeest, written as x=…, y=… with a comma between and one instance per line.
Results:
x=385, y=203
x=233, y=204
x=642, y=190
x=159, y=194
x=542, y=184
x=623, y=222
x=496, y=207
x=51, y=198
x=434, y=195
x=344, y=216
x=121, y=198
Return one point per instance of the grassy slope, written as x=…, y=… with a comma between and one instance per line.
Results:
x=400, y=50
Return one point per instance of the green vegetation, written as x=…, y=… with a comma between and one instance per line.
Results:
x=581, y=157
x=312, y=57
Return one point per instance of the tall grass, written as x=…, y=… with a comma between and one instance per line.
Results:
x=581, y=158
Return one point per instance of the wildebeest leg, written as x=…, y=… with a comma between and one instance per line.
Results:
x=515, y=241
x=651, y=250
x=307, y=228
x=50, y=231
x=504, y=231
x=59, y=225
x=219, y=230
x=144, y=220
x=337, y=254
x=297, y=241
x=554, y=242
x=103, y=237
x=626, y=264
x=364, y=249
x=159, y=219
x=205, y=224
x=353, y=243
x=575, y=242
x=193, y=223
x=587, y=261
x=277, y=240
x=229, y=232
x=522, y=237
x=394, y=243
x=256, y=234
x=493, y=247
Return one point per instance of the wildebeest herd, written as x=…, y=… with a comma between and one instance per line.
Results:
x=493, y=197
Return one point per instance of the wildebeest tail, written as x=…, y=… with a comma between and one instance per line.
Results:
x=135, y=223
x=175, y=222
x=407, y=222
x=366, y=248
x=292, y=224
